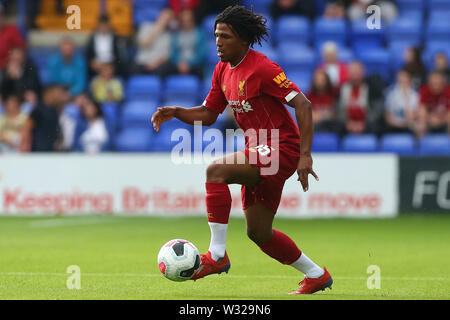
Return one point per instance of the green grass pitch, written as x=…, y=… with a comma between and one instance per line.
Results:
x=117, y=258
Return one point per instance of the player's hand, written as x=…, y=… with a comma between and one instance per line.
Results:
x=162, y=115
x=304, y=169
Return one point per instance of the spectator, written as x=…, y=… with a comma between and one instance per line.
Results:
x=434, y=105
x=10, y=38
x=335, y=69
x=323, y=98
x=178, y=6
x=441, y=65
x=104, y=46
x=68, y=68
x=402, y=104
x=334, y=10
x=95, y=137
x=414, y=65
x=188, y=48
x=153, y=44
x=11, y=124
x=288, y=7
x=20, y=75
x=359, y=103
x=42, y=132
x=105, y=87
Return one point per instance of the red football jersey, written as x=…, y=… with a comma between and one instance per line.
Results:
x=257, y=90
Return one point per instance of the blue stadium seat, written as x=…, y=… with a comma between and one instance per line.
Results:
x=438, y=30
x=435, y=144
x=293, y=29
x=145, y=14
x=140, y=87
x=376, y=61
x=400, y=143
x=439, y=14
x=301, y=79
x=296, y=57
x=410, y=5
x=182, y=87
x=345, y=55
x=137, y=114
x=439, y=5
x=134, y=140
x=259, y=6
x=326, y=29
x=363, y=37
x=111, y=114
x=325, y=142
x=208, y=26
x=162, y=140
x=405, y=29
x=433, y=47
x=359, y=143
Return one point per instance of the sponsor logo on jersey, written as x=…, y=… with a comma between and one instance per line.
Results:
x=240, y=106
x=282, y=81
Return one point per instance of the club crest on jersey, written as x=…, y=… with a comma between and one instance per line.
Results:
x=224, y=88
x=241, y=88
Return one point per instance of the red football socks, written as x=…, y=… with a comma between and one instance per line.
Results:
x=218, y=202
x=281, y=248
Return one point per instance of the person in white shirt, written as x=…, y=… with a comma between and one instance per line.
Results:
x=95, y=137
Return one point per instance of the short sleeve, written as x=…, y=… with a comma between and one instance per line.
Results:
x=275, y=83
x=216, y=99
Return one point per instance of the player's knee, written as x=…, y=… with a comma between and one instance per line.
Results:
x=258, y=236
x=215, y=173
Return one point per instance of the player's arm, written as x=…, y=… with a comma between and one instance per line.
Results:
x=187, y=115
x=303, y=113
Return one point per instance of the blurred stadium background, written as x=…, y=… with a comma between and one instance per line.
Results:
x=75, y=139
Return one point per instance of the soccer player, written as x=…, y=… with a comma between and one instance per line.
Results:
x=256, y=89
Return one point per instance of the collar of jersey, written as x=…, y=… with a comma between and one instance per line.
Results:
x=241, y=60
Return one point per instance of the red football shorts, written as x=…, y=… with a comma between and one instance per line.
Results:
x=268, y=190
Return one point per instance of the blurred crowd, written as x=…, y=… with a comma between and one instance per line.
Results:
x=345, y=100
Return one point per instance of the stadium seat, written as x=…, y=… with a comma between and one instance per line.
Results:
x=359, y=143
x=296, y=57
x=268, y=51
x=208, y=26
x=134, y=140
x=438, y=14
x=293, y=29
x=345, y=54
x=400, y=143
x=162, y=140
x=182, y=87
x=435, y=144
x=326, y=29
x=145, y=15
x=259, y=6
x=301, y=79
x=433, y=47
x=438, y=5
x=137, y=114
x=363, y=37
x=144, y=87
x=325, y=142
x=405, y=29
x=438, y=30
x=376, y=61
x=408, y=5
x=111, y=114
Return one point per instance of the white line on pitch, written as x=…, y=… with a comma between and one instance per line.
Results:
x=228, y=276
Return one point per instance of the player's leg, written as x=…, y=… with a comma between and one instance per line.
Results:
x=280, y=247
x=233, y=168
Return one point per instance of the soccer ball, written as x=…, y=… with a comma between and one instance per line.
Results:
x=178, y=259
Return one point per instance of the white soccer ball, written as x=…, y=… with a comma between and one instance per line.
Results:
x=178, y=259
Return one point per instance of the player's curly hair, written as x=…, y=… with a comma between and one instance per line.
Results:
x=249, y=26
